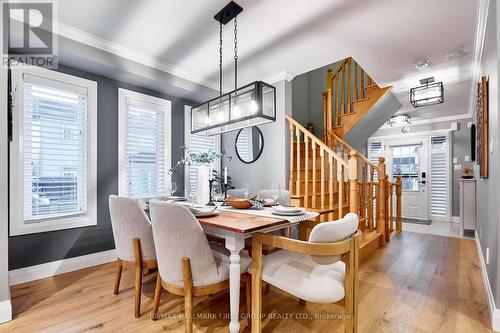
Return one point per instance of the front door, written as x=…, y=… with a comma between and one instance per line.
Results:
x=409, y=162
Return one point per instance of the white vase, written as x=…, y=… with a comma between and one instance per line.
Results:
x=202, y=184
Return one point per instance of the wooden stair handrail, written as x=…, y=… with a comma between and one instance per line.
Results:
x=346, y=145
x=313, y=138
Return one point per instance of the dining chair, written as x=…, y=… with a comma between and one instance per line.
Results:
x=187, y=264
x=236, y=193
x=283, y=199
x=133, y=241
x=322, y=270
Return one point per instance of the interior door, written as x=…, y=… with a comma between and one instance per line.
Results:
x=409, y=161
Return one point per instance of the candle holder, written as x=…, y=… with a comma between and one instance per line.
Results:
x=210, y=201
x=225, y=188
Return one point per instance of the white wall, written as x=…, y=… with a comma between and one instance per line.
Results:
x=272, y=165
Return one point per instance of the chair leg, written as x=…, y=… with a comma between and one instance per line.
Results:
x=188, y=294
x=156, y=301
x=138, y=276
x=248, y=300
x=118, y=276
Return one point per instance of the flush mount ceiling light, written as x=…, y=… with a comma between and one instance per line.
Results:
x=420, y=66
x=250, y=105
x=399, y=119
x=429, y=93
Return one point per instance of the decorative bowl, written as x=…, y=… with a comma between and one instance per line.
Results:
x=239, y=203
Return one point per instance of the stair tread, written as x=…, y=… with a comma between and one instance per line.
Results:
x=361, y=100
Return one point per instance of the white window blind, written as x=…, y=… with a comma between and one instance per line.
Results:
x=197, y=143
x=55, y=139
x=439, y=183
x=374, y=152
x=145, y=149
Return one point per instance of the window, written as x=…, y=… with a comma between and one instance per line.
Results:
x=405, y=163
x=53, y=155
x=374, y=152
x=196, y=143
x=439, y=172
x=144, y=144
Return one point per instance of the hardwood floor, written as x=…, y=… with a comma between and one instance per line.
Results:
x=418, y=283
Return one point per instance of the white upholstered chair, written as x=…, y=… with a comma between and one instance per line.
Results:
x=283, y=199
x=187, y=264
x=133, y=240
x=322, y=270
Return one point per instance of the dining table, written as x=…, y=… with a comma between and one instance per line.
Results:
x=236, y=225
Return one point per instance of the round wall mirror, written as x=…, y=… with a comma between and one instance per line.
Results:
x=249, y=144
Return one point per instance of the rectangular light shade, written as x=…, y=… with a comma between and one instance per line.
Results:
x=250, y=105
x=428, y=94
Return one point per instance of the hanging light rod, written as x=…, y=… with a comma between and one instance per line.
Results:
x=251, y=105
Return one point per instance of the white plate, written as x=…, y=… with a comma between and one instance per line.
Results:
x=289, y=213
x=177, y=198
x=281, y=209
x=207, y=214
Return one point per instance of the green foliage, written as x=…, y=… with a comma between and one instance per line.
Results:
x=197, y=158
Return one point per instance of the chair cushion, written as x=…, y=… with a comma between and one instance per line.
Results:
x=299, y=275
x=221, y=256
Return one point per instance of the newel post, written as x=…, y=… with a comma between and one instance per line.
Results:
x=352, y=174
x=399, y=192
x=382, y=198
x=388, y=208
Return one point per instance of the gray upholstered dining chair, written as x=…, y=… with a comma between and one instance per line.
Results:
x=283, y=199
x=322, y=270
x=187, y=264
x=134, y=243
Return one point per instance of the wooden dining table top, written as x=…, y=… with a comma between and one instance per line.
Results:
x=240, y=223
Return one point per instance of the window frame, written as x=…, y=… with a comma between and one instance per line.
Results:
x=187, y=134
x=166, y=106
x=17, y=223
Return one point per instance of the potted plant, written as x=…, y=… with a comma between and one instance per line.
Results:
x=204, y=162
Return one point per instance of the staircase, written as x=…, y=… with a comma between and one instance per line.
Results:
x=354, y=106
x=332, y=178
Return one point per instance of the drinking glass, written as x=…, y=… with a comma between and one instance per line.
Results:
x=244, y=187
x=275, y=192
x=217, y=194
x=173, y=188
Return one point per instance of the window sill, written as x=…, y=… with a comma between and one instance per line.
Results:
x=21, y=228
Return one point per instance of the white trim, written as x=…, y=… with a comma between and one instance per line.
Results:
x=455, y=219
x=164, y=105
x=482, y=10
x=429, y=121
x=5, y=311
x=410, y=134
x=494, y=311
x=124, y=52
x=17, y=225
x=280, y=76
x=42, y=271
x=187, y=133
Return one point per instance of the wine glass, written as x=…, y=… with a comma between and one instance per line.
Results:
x=173, y=188
x=217, y=194
x=275, y=192
x=245, y=189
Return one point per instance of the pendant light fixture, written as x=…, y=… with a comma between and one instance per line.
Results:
x=429, y=93
x=250, y=105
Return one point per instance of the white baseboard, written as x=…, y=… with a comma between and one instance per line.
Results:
x=455, y=219
x=494, y=312
x=26, y=274
x=5, y=311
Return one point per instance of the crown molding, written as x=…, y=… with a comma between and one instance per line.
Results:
x=482, y=11
x=80, y=36
x=280, y=76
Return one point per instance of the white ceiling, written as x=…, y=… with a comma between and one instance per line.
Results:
x=386, y=37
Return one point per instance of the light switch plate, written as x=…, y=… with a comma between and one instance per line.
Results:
x=491, y=145
x=454, y=126
x=469, y=124
x=455, y=160
x=457, y=167
x=467, y=158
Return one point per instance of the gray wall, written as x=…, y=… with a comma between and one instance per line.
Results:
x=487, y=198
x=272, y=166
x=33, y=249
x=307, y=98
x=460, y=148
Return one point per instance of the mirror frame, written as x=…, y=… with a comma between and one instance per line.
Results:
x=236, y=146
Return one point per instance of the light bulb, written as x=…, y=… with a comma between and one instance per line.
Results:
x=253, y=106
x=220, y=116
x=207, y=120
x=236, y=111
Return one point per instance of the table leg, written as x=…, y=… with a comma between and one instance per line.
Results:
x=234, y=243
